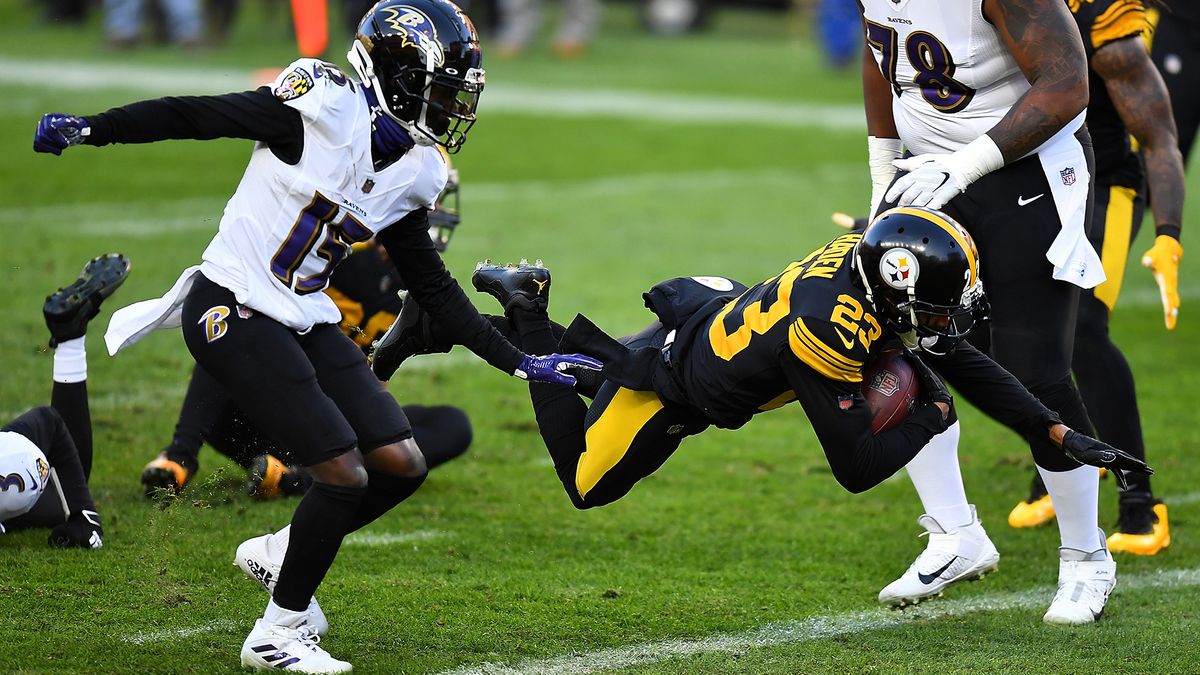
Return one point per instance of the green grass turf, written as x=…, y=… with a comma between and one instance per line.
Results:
x=739, y=530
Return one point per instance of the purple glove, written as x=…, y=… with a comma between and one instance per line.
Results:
x=552, y=368
x=57, y=132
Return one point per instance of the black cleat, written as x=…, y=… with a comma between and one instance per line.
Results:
x=522, y=286
x=268, y=478
x=409, y=335
x=168, y=473
x=68, y=310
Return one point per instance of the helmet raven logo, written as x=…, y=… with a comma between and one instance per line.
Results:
x=899, y=268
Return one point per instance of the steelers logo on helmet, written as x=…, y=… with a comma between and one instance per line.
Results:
x=899, y=268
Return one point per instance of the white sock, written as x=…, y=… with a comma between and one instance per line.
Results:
x=279, y=616
x=935, y=475
x=1076, y=498
x=70, y=362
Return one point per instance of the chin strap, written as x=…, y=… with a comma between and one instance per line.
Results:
x=388, y=138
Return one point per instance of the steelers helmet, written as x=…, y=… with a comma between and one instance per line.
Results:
x=445, y=215
x=422, y=60
x=920, y=270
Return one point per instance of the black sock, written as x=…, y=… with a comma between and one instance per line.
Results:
x=204, y=404
x=71, y=402
x=443, y=432
x=558, y=409
x=384, y=491
x=322, y=519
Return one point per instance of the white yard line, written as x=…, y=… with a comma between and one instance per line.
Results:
x=391, y=538
x=542, y=101
x=142, y=638
x=807, y=630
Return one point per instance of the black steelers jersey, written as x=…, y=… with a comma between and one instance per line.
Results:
x=364, y=288
x=1102, y=22
x=808, y=316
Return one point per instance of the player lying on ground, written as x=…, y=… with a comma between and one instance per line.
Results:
x=364, y=287
x=720, y=354
x=46, y=453
x=336, y=161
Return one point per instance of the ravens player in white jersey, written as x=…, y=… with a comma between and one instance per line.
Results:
x=46, y=453
x=366, y=289
x=989, y=98
x=336, y=161
x=721, y=353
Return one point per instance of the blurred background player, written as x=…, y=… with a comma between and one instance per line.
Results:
x=46, y=453
x=1175, y=49
x=989, y=99
x=1128, y=97
x=364, y=287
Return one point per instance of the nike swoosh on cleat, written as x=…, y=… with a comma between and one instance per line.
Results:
x=930, y=578
x=1021, y=201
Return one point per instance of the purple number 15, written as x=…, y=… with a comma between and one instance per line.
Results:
x=315, y=224
x=932, y=61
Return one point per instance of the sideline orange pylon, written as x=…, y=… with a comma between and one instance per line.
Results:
x=312, y=26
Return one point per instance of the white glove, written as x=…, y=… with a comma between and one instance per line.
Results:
x=881, y=152
x=934, y=179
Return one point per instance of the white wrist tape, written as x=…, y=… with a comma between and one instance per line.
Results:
x=881, y=152
x=980, y=156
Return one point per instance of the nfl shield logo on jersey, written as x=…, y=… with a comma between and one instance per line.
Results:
x=1068, y=175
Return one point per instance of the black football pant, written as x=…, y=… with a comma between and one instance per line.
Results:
x=209, y=415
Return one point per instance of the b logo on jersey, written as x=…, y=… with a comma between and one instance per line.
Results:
x=215, y=327
x=899, y=268
x=415, y=29
x=294, y=85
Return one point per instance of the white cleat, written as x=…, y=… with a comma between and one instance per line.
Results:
x=261, y=557
x=1084, y=582
x=964, y=554
x=295, y=650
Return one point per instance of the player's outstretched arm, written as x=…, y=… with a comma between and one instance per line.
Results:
x=254, y=115
x=883, y=140
x=1140, y=96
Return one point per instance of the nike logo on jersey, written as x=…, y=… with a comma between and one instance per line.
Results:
x=848, y=341
x=1021, y=201
x=930, y=578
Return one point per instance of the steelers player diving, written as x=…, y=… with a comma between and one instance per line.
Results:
x=720, y=353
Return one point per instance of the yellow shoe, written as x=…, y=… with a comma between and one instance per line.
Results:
x=164, y=474
x=1143, y=544
x=1031, y=514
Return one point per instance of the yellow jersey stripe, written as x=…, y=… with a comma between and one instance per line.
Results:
x=830, y=353
x=1123, y=19
x=954, y=233
x=803, y=351
x=1118, y=227
x=609, y=438
x=779, y=401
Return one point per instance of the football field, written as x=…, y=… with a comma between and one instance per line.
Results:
x=721, y=154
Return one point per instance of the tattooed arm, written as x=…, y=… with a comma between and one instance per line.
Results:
x=1141, y=99
x=1043, y=38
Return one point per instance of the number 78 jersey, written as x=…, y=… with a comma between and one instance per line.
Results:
x=952, y=77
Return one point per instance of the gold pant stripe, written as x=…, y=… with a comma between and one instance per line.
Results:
x=1118, y=227
x=610, y=437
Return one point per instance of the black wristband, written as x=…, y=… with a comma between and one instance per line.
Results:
x=1169, y=230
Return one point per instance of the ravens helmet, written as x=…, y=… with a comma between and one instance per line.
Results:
x=422, y=60
x=920, y=270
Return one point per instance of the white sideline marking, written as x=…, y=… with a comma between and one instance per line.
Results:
x=806, y=630
x=175, y=633
x=390, y=538
x=561, y=102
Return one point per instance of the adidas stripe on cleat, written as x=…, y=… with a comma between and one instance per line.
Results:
x=295, y=650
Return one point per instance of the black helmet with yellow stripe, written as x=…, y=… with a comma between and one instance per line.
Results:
x=920, y=270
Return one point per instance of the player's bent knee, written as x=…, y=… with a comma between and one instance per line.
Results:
x=402, y=458
x=345, y=470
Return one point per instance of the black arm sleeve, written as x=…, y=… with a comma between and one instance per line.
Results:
x=860, y=459
x=46, y=428
x=992, y=389
x=410, y=248
x=256, y=115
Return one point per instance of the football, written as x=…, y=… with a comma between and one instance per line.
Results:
x=890, y=388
